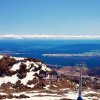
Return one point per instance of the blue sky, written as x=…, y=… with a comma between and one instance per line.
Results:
x=69, y=17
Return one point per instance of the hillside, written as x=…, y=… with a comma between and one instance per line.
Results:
x=25, y=77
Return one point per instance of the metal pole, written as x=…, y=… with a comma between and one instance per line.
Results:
x=80, y=83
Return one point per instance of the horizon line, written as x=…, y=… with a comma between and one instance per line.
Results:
x=49, y=36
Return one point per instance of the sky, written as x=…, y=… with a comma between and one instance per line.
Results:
x=50, y=17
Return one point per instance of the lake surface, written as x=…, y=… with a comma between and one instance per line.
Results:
x=36, y=48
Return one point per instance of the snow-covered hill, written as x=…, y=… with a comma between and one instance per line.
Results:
x=29, y=73
x=15, y=70
x=30, y=78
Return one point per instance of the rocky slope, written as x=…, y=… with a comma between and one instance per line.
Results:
x=23, y=74
x=20, y=72
x=22, y=77
x=27, y=73
x=90, y=77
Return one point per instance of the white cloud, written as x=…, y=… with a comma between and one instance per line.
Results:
x=14, y=36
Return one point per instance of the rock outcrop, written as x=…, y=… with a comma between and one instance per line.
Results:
x=23, y=74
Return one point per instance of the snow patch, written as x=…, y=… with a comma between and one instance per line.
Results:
x=16, y=66
x=44, y=67
x=28, y=77
x=32, y=85
x=18, y=58
x=13, y=79
x=1, y=56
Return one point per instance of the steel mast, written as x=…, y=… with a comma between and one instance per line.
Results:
x=80, y=83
